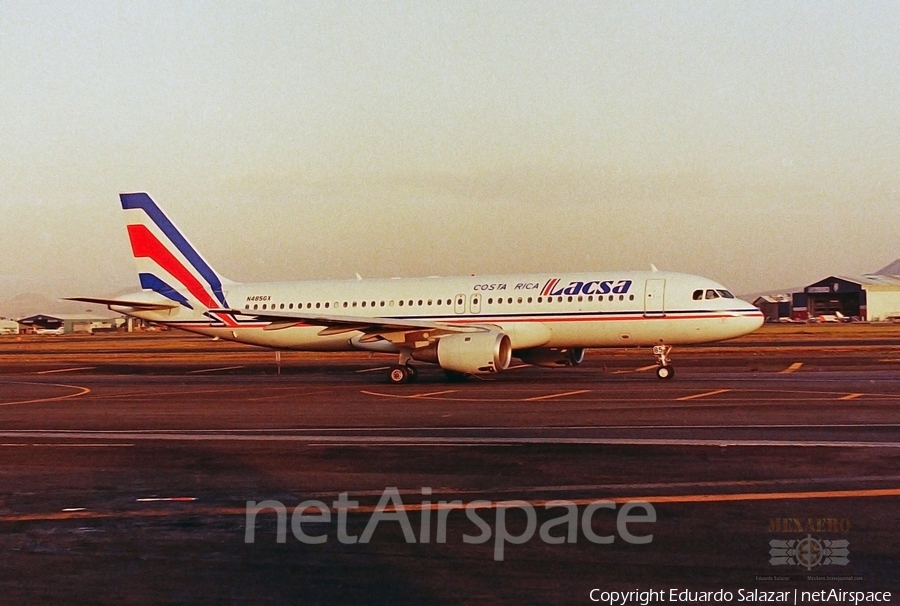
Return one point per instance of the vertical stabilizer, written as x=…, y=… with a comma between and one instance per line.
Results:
x=166, y=262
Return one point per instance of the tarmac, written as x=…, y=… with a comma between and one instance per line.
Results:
x=769, y=463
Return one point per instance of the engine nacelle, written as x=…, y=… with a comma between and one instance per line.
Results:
x=552, y=356
x=470, y=352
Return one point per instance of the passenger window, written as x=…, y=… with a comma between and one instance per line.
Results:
x=529, y=299
x=490, y=301
x=400, y=302
x=540, y=299
x=631, y=297
x=363, y=303
x=255, y=306
x=621, y=297
x=698, y=295
x=317, y=305
x=519, y=301
x=420, y=302
x=570, y=299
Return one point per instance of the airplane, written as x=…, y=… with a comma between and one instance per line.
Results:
x=466, y=325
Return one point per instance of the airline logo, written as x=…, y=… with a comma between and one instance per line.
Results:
x=165, y=257
x=592, y=287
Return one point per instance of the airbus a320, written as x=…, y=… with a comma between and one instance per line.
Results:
x=466, y=325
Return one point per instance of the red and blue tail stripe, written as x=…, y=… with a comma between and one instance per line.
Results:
x=196, y=277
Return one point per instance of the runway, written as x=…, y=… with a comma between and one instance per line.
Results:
x=127, y=466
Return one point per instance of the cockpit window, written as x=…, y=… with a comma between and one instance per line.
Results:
x=698, y=295
x=725, y=294
x=711, y=294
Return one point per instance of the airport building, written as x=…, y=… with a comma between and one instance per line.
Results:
x=64, y=324
x=774, y=307
x=868, y=298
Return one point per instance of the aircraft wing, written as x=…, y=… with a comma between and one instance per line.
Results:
x=145, y=305
x=411, y=333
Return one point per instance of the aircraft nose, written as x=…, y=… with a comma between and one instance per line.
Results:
x=754, y=320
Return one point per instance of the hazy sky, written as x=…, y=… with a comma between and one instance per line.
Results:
x=756, y=143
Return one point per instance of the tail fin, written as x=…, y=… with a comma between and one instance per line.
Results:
x=166, y=262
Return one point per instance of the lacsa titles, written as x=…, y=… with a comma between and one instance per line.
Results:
x=592, y=287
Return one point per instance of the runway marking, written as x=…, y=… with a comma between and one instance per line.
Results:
x=197, y=372
x=444, y=441
x=157, y=499
x=556, y=395
x=64, y=445
x=47, y=372
x=71, y=514
x=640, y=486
x=744, y=397
x=851, y=396
x=373, y=369
x=432, y=393
x=81, y=391
x=792, y=368
x=702, y=395
x=409, y=397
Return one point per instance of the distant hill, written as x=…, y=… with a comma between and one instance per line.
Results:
x=892, y=269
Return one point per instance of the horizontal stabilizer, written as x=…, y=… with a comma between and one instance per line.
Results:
x=124, y=303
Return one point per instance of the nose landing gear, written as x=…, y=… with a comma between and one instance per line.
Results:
x=665, y=370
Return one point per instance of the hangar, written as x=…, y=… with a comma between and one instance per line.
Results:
x=69, y=323
x=871, y=298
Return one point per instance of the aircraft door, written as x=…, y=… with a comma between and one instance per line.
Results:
x=475, y=304
x=459, y=305
x=654, y=297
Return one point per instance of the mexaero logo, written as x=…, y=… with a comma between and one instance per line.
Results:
x=592, y=287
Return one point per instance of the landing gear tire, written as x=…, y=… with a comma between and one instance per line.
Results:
x=665, y=372
x=575, y=356
x=400, y=375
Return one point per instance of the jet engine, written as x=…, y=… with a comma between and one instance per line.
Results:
x=470, y=352
x=552, y=356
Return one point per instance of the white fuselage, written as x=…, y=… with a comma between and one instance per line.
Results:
x=603, y=309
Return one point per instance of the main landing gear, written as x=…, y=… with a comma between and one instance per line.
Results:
x=403, y=373
x=665, y=370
